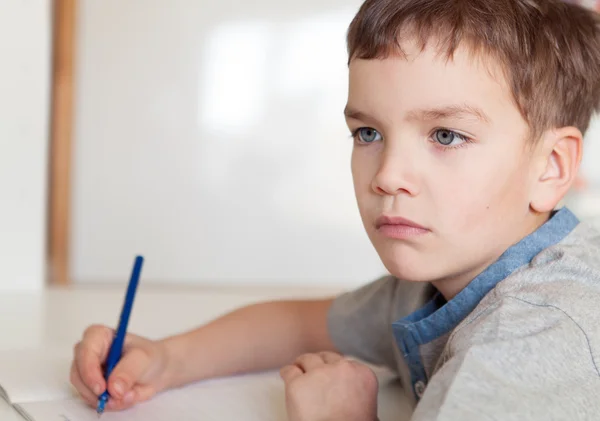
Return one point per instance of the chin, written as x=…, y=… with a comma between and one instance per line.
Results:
x=410, y=265
x=408, y=273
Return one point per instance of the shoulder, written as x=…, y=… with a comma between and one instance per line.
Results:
x=561, y=281
x=516, y=340
x=576, y=256
x=581, y=247
x=509, y=320
x=546, y=311
x=515, y=358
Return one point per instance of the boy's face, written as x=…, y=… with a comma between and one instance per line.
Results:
x=442, y=144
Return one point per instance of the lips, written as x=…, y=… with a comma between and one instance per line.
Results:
x=399, y=228
x=396, y=220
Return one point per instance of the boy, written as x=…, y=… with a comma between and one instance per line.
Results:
x=467, y=118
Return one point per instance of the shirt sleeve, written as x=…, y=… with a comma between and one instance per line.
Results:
x=360, y=321
x=533, y=364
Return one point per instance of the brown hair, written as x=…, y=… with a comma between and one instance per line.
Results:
x=548, y=50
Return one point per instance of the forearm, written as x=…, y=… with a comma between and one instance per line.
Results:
x=258, y=337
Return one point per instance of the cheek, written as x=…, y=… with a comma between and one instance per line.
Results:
x=485, y=190
x=364, y=168
x=361, y=172
x=358, y=180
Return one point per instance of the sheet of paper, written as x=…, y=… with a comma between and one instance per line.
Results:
x=8, y=413
x=250, y=398
x=28, y=375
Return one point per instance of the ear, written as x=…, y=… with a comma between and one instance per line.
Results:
x=560, y=152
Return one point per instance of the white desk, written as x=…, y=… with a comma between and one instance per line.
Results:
x=59, y=316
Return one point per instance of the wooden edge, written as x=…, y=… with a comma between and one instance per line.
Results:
x=61, y=126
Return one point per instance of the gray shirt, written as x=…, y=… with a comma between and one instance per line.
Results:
x=520, y=342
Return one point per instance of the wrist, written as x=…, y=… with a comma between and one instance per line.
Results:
x=175, y=351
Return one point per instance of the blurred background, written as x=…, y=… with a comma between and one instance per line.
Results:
x=206, y=135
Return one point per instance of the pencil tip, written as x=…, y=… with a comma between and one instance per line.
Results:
x=100, y=407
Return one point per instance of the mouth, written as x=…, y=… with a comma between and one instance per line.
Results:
x=398, y=227
x=396, y=220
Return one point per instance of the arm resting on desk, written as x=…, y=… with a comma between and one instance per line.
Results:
x=254, y=338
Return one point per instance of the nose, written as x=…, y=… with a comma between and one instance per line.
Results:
x=396, y=174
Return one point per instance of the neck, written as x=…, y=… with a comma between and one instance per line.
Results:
x=451, y=285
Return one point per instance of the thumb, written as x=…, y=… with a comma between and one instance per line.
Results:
x=127, y=372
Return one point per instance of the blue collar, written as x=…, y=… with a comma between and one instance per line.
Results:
x=438, y=317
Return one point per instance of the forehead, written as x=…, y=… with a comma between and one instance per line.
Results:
x=425, y=79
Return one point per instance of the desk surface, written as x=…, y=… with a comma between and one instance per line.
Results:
x=58, y=316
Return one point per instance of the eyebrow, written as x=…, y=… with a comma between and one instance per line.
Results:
x=354, y=114
x=462, y=111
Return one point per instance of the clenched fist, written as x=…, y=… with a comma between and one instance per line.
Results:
x=329, y=387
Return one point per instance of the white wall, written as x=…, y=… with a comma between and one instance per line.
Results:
x=586, y=204
x=210, y=138
x=25, y=43
x=591, y=154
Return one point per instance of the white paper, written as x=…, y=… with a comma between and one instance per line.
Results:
x=28, y=375
x=252, y=397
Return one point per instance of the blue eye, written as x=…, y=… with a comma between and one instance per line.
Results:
x=367, y=135
x=448, y=137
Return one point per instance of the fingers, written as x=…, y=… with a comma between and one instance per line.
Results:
x=138, y=394
x=330, y=357
x=88, y=396
x=127, y=372
x=87, y=374
x=308, y=362
x=290, y=372
x=89, y=355
x=128, y=400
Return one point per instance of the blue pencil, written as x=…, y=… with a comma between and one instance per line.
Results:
x=116, y=348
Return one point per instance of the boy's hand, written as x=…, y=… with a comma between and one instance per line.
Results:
x=328, y=387
x=139, y=375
